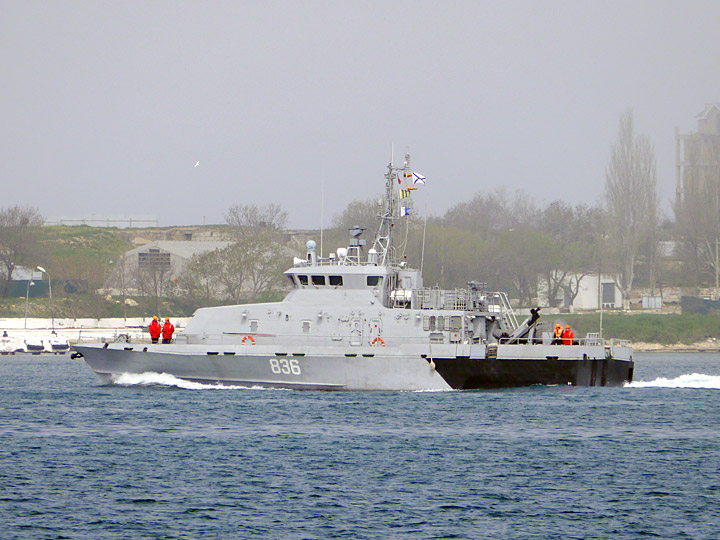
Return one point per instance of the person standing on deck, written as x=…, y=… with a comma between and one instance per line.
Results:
x=155, y=329
x=167, y=331
x=568, y=335
x=558, y=335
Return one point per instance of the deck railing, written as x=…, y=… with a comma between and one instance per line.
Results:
x=304, y=340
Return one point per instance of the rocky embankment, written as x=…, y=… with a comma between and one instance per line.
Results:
x=711, y=345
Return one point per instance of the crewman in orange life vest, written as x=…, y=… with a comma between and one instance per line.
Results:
x=568, y=335
x=155, y=329
x=167, y=331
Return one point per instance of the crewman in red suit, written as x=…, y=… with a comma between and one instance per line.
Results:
x=167, y=331
x=568, y=335
x=155, y=329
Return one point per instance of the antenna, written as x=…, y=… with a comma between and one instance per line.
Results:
x=601, y=302
x=322, y=204
x=422, y=253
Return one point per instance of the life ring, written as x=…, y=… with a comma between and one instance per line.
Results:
x=252, y=340
x=379, y=340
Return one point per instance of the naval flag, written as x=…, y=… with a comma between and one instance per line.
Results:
x=418, y=179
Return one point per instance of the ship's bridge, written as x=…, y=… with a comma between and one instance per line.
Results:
x=347, y=270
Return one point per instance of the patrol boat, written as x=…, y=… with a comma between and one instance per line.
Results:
x=362, y=320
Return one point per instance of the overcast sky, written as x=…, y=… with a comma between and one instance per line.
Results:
x=107, y=106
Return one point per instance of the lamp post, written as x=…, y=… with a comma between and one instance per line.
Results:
x=30, y=283
x=120, y=269
x=52, y=315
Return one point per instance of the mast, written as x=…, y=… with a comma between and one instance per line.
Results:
x=389, y=213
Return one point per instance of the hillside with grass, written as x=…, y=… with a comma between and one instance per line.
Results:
x=662, y=329
x=79, y=260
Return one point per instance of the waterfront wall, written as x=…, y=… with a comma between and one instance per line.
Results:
x=84, y=330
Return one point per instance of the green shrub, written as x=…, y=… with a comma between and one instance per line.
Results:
x=650, y=328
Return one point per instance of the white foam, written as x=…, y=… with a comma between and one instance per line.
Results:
x=693, y=380
x=165, y=379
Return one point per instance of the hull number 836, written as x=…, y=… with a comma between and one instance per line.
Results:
x=285, y=366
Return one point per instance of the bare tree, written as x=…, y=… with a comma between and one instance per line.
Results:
x=359, y=213
x=122, y=282
x=489, y=213
x=260, y=263
x=200, y=278
x=525, y=255
x=18, y=241
x=570, y=256
x=253, y=220
x=632, y=200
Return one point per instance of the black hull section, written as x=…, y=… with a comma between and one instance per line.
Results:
x=483, y=373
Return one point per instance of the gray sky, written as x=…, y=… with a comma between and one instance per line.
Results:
x=107, y=106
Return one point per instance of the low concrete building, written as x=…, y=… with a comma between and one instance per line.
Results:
x=167, y=257
x=594, y=291
x=26, y=282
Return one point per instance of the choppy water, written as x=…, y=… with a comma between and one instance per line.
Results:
x=157, y=458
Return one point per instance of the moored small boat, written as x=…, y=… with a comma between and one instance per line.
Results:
x=56, y=344
x=11, y=345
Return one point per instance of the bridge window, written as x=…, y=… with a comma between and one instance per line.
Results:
x=374, y=281
x=303, y=280
x=318, y=280
x=335, y=281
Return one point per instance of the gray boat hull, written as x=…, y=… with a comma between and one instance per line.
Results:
x=408, y=368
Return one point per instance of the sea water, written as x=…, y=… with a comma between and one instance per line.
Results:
x=154, y=457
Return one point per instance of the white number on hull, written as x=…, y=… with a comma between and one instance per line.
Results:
x=285, y=366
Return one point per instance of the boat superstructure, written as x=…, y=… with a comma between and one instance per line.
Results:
x=362, y=319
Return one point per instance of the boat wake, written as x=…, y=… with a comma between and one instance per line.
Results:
x=693, y=380
x=165, y=379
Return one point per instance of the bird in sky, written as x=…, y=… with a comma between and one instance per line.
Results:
x=197, y=163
